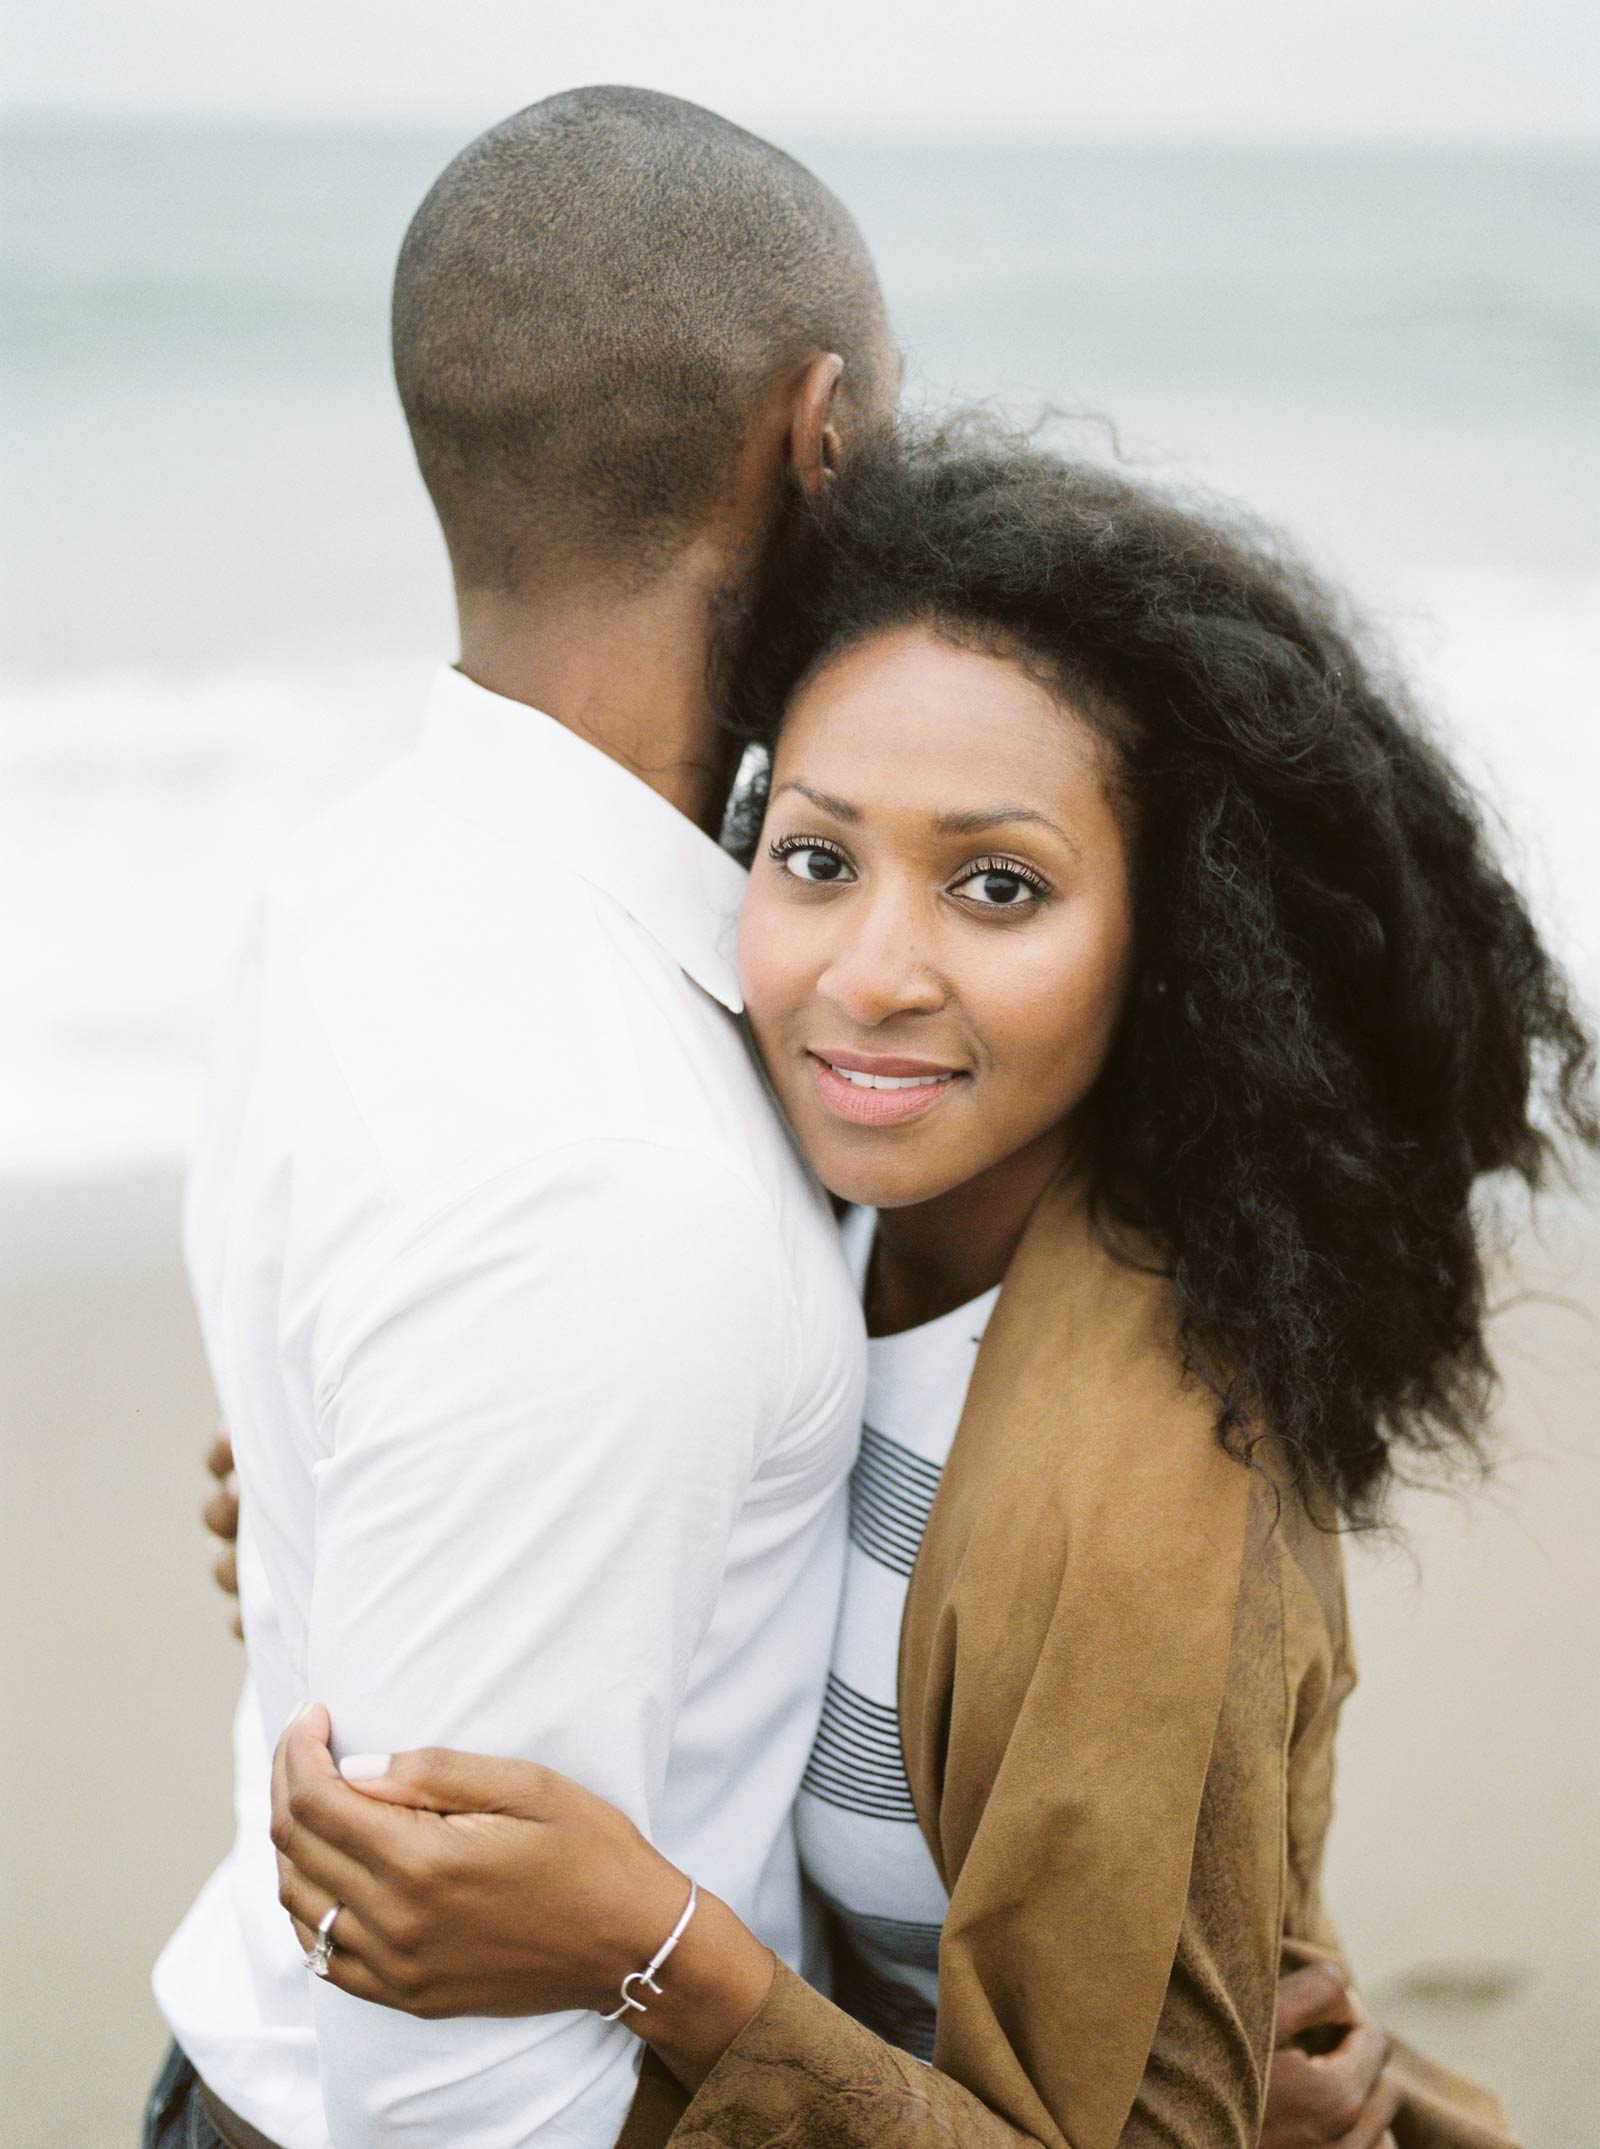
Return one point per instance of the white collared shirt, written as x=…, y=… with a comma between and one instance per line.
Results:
x=544, y=1372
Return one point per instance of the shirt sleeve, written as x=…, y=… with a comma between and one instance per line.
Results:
x=540, y=1418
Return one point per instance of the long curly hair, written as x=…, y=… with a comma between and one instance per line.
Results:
x=1342, y=1016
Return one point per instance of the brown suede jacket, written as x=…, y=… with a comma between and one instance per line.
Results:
x=1122, y=1663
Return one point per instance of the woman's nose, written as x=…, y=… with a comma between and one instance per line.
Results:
x=881, y=969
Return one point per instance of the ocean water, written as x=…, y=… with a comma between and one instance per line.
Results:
x=223, y=594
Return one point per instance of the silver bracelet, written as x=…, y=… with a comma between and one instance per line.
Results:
x=647, y=1976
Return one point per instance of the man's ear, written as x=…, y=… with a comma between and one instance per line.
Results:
x=814, y=450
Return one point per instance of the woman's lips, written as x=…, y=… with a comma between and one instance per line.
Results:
x=874, y=1092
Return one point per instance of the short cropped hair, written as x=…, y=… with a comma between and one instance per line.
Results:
x=588, y=305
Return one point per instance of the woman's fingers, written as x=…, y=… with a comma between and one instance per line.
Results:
x=349, y=1970
x=220, y=1514
x=378, y=1857
x=221, y=1517
x=438, y=1779
x=311, y=1722
x=333, y=1872
x=318, y=1823
x=368, y=1964
x=307, y=1905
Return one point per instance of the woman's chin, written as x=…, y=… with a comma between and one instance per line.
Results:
x=885, y=1181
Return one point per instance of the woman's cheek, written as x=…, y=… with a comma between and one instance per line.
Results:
x=754, y=956
x=1052, y=1027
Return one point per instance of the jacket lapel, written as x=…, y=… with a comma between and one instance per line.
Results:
x=1063, y=1656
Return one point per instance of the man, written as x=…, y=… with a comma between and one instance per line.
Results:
x=539, y=1354
x=534, y=1338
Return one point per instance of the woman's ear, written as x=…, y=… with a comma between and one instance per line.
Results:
x=814, y=449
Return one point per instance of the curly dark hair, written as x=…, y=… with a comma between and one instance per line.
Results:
x=1343, y=1014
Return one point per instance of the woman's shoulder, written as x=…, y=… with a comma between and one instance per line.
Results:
x=1291, y=1622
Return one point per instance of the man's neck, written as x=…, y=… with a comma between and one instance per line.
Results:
x=629, y=673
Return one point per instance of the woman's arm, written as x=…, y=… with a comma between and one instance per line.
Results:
x=471, y=1886
x=477, y=1886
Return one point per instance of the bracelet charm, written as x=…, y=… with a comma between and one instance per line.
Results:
x=645, y=1979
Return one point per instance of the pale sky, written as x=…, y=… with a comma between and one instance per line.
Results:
x=1519, y=70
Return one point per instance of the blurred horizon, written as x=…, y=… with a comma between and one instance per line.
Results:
x=227, y=593
x=1534, y=142
x=1467, y=70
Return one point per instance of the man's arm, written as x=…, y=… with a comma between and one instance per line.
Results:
x=1326, y=2089
x=541, y=1416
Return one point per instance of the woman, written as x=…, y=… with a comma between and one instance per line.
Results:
x=1126, y=957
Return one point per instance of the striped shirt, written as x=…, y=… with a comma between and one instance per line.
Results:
x=861, y=1845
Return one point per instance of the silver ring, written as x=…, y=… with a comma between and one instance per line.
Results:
x=320, y=1953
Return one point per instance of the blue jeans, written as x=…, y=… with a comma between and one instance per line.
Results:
x=175, y=2118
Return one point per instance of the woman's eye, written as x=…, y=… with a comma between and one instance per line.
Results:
x=997, y=888
x=808, y=862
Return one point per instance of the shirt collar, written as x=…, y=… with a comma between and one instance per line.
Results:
x=505, y=765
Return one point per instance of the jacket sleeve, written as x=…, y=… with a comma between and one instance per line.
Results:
x=802, y=2071
x=1205, y=2080
x=1440, y=2109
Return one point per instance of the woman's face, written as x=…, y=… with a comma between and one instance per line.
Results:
x=936, y=940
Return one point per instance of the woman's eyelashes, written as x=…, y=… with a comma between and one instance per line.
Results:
x=1000, y=884
x=997, y=885
x=812, y=860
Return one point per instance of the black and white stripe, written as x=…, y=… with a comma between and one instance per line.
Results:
x=908, y=1940
x=891, y=1497
x=856, y=1763
x=894, y=2011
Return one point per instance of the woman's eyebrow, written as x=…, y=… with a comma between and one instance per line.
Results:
x=973, y=823
x=841, y=809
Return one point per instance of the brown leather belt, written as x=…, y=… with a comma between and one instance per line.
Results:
x=237, y=2133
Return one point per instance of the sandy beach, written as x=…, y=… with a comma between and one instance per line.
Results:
x=1465, y=1856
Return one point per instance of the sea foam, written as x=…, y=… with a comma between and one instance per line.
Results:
x=138, y=810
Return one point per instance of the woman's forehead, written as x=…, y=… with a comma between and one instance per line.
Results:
x=911, y=715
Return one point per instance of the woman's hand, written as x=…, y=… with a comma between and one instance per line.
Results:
x=473, y=1886
x=220, y=1515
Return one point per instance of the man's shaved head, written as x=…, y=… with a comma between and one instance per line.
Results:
x=589, y=305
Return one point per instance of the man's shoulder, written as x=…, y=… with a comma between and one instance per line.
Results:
x=479, y=1004
x=363, y=839
x=475, y=998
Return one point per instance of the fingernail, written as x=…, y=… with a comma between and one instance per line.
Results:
x=364, y=1768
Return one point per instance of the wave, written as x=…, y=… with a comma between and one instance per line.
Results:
x=138, y=809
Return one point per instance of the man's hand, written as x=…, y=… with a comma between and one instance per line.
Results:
x=221, y=1517
x=1327, y=2089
